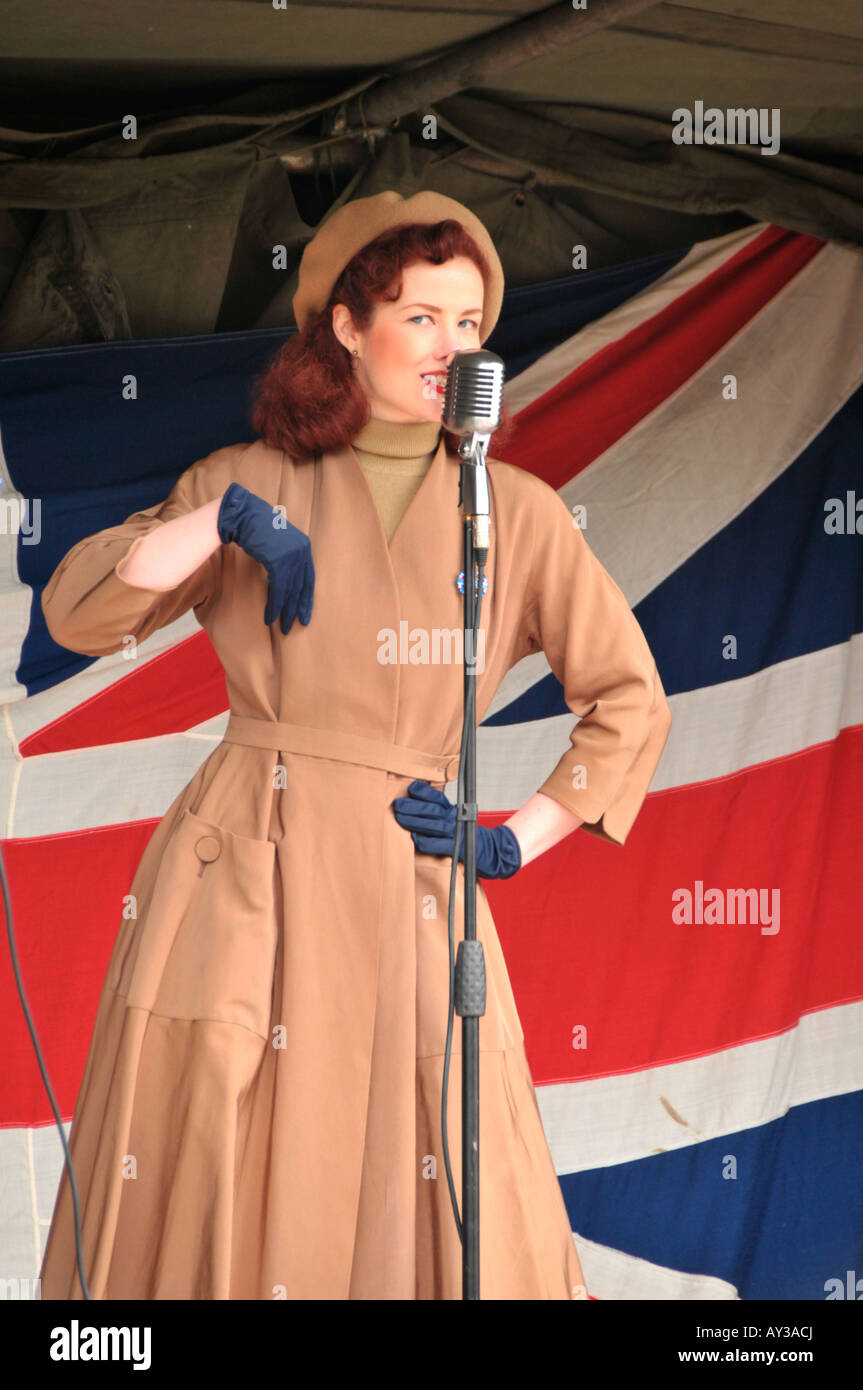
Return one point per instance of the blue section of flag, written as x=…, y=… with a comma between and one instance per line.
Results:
x=789, y=1220
x=193, y=396
x=775, y=558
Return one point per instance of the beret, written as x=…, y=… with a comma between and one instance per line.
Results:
x=351, y=227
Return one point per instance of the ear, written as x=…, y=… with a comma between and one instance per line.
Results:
x=343, y=327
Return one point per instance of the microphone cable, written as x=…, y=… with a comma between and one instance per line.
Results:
x=25, y=1006
x=469, y=715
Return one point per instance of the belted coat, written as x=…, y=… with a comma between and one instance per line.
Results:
x=270, y=1036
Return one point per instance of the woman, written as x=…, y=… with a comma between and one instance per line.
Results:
x=260, y=1110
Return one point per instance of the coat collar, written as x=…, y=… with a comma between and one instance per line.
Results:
x=421, y=563
x=421, y=517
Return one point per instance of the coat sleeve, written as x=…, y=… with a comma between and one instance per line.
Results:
x=87, y=604
x=595, y=646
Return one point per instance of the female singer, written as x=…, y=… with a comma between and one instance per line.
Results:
x=259, y=1115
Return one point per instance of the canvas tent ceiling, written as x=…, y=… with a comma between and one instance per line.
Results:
x=554, y=125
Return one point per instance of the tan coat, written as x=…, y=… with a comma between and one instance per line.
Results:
x=269, y=1041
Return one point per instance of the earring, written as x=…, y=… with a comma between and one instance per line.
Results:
x=356, y=354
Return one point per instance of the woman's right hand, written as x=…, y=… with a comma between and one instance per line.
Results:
x=263, y=532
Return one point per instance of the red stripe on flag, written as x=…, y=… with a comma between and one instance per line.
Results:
x=182, y=687
x=589, y=939
x=587, y=411
x=586, y=928
x=67, y=906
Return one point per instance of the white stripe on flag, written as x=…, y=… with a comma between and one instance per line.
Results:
x=697, y=461
x=702, y=260
x=716, y=731
x=619, y=1119
x=613, y=1274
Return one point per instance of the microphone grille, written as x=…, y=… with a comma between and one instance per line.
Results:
x=474, y=392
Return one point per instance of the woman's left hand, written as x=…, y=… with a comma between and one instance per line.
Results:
x=431, y=817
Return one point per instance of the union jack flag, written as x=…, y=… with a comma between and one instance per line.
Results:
x=692, y=1003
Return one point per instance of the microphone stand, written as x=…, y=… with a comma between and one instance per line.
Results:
x=470, y=984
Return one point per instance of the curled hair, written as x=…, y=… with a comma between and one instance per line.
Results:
x=308, y=400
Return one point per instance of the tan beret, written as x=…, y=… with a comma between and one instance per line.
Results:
x=347, y=230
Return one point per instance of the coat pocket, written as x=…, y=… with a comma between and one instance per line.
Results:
x=204, y=945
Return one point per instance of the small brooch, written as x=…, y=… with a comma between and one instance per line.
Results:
x=460, y=583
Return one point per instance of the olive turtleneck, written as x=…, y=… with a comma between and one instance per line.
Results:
x=395, y=456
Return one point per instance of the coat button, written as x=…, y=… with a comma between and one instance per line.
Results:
x=208, y=848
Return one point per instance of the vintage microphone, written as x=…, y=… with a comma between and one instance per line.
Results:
x=471, y=409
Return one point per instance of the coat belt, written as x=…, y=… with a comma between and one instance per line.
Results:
x=344, y=747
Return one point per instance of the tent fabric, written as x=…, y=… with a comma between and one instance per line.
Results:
x=699, y=1078
x=177, y=231
x=190, y=247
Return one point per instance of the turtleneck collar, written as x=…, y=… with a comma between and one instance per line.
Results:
x=398, y=438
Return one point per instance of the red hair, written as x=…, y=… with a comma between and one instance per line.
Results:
x=308, y=400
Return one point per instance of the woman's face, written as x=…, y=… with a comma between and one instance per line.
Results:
x=439, y=312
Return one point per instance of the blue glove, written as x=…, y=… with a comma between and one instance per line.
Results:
x=284, y=551
x=431, y=817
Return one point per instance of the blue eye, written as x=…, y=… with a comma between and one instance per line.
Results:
x=473, y=323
